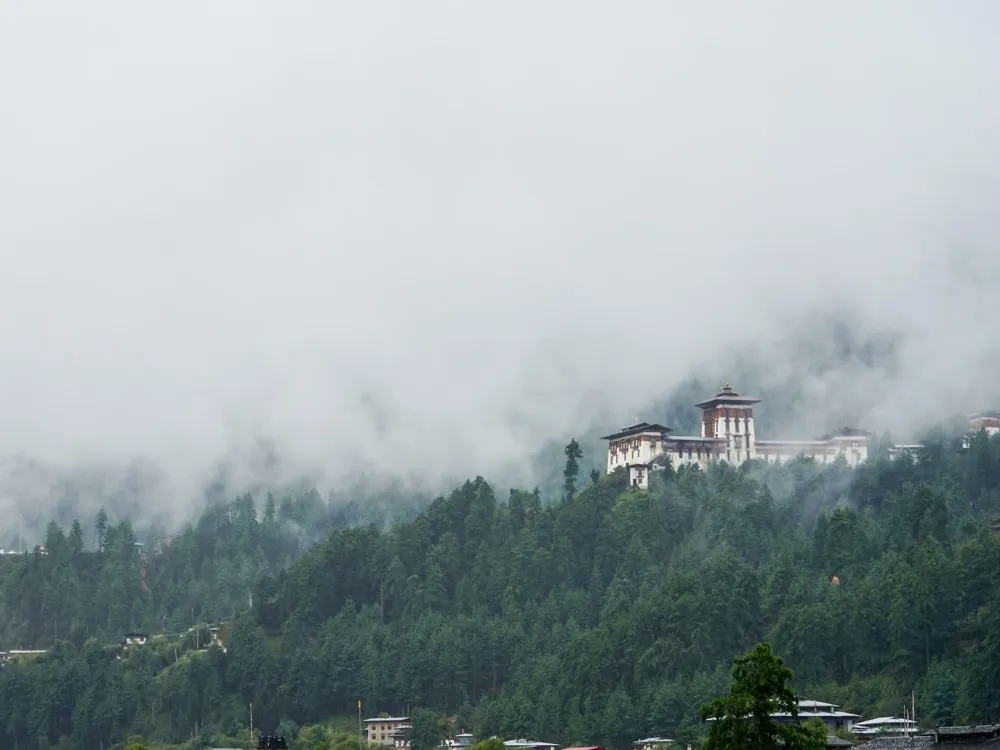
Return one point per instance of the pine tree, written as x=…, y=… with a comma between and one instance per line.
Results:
x=572, y=470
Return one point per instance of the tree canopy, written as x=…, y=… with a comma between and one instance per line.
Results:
x=743, y=719
x=599, y=618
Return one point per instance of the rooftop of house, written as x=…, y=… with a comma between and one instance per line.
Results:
x=775, y=443
x=835, y=741
x=380, y=719
x=820, y=713
x=986, y=731
x=845, y=432
x=727, y=396
x=637, y=429
x=901, y=742
x=985, y=415
x=809, y=709
x=966, y=736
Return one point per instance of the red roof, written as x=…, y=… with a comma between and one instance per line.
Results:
x=585, y=747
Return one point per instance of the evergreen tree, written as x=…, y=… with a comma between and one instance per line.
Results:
x=572, y=470
x=742, y=720
x=101, y=526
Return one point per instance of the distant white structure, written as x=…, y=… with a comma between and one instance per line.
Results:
x=908, y=449
x=891, y=725
x=727, y=434
x=986, y=420
x=390, y=731
x=829, y=713
x=650, y=743
x=136, y=639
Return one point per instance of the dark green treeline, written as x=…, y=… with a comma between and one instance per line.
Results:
x=610, y=615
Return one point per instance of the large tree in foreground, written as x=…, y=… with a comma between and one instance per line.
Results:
x=743, y=719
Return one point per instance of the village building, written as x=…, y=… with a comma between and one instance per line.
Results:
x=6, y=657
x=985, y=736
x=909, y=449
x=650, y=743
x=829, y=713
x=523, y=744
x=986, y=420
x=136, y=639
x=885, y=725
x=390, y=731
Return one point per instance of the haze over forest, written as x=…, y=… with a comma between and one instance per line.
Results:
x=423, y=240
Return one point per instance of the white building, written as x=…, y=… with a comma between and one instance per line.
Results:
x=651, y=743
x=885, y=725
x=986, y=420
x=829, y=713
x=136, y=639
x=727, y=434
x=390, y=731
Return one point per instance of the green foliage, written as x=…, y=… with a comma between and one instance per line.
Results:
x=606, y=617
x=573, y=455
x=429, y=729
x=742, y=720
x=493, y=743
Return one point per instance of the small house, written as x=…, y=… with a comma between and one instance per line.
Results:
x=389, y=730
x=986, y=736
x=136, y=639
x=523, y=744
x=650, y=743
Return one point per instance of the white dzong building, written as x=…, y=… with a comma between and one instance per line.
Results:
x=727, y=434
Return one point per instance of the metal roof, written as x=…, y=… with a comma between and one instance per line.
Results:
x=728, y=396
x=637, y=429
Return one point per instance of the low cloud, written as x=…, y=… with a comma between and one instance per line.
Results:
x=424, y=239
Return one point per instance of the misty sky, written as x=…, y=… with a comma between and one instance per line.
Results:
x=436, y=234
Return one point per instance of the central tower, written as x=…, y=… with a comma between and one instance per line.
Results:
x=729, y=415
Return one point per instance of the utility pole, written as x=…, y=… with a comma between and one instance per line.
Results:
x=359, y=725
x=251, y=727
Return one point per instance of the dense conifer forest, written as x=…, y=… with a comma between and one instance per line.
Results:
x=608, y=614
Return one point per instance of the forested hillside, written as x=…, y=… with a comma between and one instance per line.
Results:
x=610, y=615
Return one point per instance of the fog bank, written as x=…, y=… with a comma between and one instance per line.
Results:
x=426, y=238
